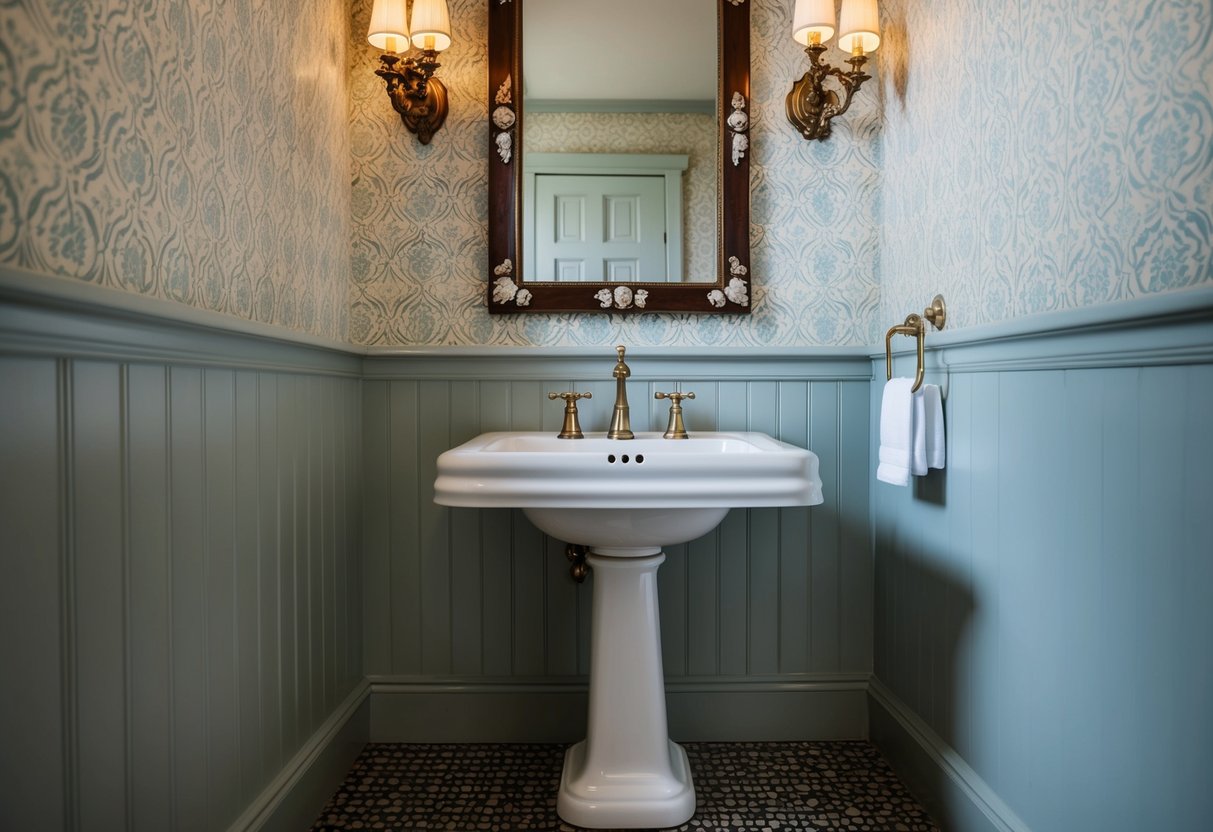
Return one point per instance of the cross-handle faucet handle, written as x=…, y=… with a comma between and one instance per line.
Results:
x=675, y=429
x=571, y=429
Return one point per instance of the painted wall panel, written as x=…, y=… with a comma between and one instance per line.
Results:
x=187, y=600
x=488, y=596
x=856, y=584
x=246, y=583
x=150, y=736
x=269, y=564
x=824, y=602
x=97, y=593
x=291, y=542
x=434, y=586
x=39, y=724
x=1042, y=604
x=223, y=787
x=404, y=540
x=172, y=552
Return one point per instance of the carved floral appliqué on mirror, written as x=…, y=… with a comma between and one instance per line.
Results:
x=512, y=287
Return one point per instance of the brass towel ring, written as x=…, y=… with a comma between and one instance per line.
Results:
x=915, y=325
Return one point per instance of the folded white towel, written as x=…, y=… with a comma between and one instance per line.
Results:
x=918, y=466
x=911, y=431
x=896, y=432
x=933, y=425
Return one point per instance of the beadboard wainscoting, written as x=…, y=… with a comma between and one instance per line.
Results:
x=180, y=576
x=1044, y=604
x=473, y=628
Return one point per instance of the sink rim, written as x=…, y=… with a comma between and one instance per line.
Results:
x=576, y=473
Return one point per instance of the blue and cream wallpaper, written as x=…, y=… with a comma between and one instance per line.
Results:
x=196, y=152
x=420, y=215
x=1044, y=155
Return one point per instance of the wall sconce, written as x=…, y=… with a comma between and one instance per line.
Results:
x=419, y=97
x=810, y=104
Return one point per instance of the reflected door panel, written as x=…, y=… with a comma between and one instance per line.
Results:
x=600, y=228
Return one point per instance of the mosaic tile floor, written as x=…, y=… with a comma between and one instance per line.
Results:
x=508, y=788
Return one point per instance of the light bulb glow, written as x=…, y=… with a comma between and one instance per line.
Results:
x=860, y=26
x=431, y=25
x=813, y=17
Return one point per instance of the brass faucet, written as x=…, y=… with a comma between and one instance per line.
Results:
x=621, y=423
x=675, y=429
x=571, y=428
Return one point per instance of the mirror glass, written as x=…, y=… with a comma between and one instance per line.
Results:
x=619, y=157
x=619, y=154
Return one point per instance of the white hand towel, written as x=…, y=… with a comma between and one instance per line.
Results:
x=896, y=432
x=918, y=466
x=933, y=426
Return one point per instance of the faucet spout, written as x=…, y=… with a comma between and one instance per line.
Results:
x=621, y=422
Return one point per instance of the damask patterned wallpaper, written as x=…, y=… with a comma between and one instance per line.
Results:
x=420, y=226
x=1044, y=155
x=187, y=151
x=691, y=133
x=195, y=151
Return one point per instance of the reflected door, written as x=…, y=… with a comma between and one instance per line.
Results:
x=610, y=228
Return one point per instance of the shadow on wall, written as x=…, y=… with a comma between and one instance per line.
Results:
x=918, y=593
x=893, y=57
x=932, y=488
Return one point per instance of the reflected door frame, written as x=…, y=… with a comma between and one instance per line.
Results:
x=671, y=166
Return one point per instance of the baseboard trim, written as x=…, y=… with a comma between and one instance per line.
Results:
x=818, y=707
x=295, y=796
x=955, y=795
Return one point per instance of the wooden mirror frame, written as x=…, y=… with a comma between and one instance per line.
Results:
x=508, y=293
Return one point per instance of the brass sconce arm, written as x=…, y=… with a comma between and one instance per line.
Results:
x=811, y=105
x=419, y=97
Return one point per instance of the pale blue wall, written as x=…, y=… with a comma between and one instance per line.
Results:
x=1008, y=208
x=180, y=593
x=775, y=599
x=1045, y=603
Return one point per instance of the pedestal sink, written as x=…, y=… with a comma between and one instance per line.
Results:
x=625, y=500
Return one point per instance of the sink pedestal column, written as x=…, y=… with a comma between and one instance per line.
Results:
x=626, y=773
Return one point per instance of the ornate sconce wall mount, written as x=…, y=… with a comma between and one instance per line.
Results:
x=416, y=95
x=419, y=97
x=811, y=104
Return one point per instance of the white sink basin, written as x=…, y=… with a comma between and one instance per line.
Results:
x=529, y=469
x=625, y=499
x=638, y=494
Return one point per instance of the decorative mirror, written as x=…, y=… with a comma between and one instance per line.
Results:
x=607, y=204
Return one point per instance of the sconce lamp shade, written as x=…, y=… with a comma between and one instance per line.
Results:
x=860, y=26
x=389, y=26
x=431, y=20
x=813, y=16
